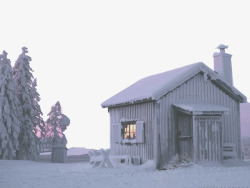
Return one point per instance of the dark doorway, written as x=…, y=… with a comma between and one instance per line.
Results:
x=184, y=136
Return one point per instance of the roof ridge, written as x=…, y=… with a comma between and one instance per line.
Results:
x=153, y=87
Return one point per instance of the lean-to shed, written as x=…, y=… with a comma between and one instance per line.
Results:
x=191, y=111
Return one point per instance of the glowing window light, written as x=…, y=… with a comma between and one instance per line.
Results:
x=129, y=131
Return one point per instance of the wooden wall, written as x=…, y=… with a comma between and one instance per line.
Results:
x=197, y=89
x=159, y=118
x=141, y=112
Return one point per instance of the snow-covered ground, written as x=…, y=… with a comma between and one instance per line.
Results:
x=29, y=174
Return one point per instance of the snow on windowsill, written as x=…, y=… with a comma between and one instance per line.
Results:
x=129, y=141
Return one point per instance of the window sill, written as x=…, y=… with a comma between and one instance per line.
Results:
x=129, y=141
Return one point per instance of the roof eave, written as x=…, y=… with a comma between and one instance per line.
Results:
x=226, y=88
x=127, y=103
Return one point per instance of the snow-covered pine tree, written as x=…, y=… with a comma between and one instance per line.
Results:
x=57, y=124
x=39, y=129
x=9, y=114
x=47, y=139
x=23, y=81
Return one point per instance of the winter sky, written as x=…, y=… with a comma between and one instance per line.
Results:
x=84, y=52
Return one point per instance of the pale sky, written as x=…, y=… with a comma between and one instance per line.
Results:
x=84, y=52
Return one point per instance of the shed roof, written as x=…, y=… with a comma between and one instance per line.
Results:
x=199, y=109
x=155, y=86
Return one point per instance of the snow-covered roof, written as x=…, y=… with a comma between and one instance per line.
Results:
x=202, y=108
x=155, y=86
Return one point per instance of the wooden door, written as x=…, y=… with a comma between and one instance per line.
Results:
x=207, y=139
x=184, y=137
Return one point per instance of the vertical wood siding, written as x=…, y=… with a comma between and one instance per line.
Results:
x=197, y=90
x=207, y=139
x=142, y=112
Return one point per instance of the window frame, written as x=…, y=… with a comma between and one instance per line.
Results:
x=128, y=140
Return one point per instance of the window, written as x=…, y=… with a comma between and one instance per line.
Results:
x=129, y=131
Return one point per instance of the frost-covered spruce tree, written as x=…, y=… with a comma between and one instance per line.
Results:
x=57, y=124
x=48, y=137
x=39, y=129
x=23, y=81
x=9, y=115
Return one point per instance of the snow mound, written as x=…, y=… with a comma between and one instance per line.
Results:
x=149, y=166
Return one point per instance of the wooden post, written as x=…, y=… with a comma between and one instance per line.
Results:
x=195, y=152
x=157, y=138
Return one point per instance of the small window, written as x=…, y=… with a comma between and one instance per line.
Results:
x=129, y=131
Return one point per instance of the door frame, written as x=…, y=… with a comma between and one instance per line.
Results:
x=192, y=114
x=188, y=138
x=213, y=143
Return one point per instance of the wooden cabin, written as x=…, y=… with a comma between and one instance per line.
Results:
x=191, y=111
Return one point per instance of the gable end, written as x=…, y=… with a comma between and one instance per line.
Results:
x=228, y=90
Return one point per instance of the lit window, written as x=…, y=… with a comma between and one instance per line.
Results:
x=129, y=130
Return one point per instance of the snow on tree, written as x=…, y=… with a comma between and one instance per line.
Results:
x=23, y=77
x=9, y=114
x=39, y=129
x=46, y=141
x=57, y=124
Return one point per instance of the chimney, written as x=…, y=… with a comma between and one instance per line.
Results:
x=223, y=65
